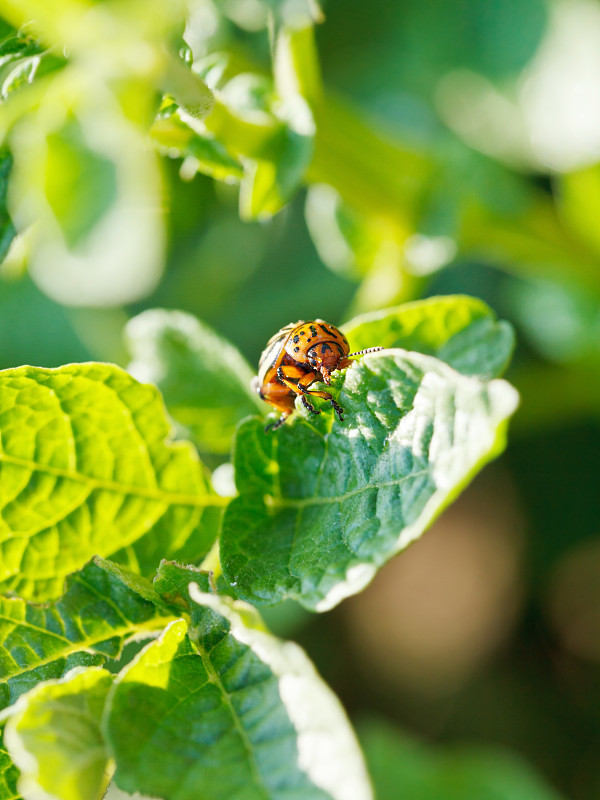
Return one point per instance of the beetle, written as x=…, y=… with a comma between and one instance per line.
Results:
x=297, y=356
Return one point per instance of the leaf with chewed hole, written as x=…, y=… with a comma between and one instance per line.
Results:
x=323, y=504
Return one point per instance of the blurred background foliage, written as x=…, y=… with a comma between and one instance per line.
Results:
x=190, y=156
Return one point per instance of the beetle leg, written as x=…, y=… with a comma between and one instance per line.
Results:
x=292, y=377
x=305, y=382
x=307, y=404
x=338, y=409
x=278, y=396
x=299, y=382
x=278, y=423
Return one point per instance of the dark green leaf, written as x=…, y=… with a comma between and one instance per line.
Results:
x=97, y=613
x=322, y=504
x=172, y=581
x=7, y=229
x=9, y=774
x=18, y=46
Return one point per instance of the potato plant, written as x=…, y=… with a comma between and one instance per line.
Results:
x=133, y=656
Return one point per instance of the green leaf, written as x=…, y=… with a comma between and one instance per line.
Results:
x=177, y=133
x=75, y=167
x=86, y=182
x=172, y=581
x=23, y=64
x=296, y=63
x=205, y=381
x=268, y=184
x=9, y=774
x=460, y=330
x=91, y=621
x=347, y=241
x=579, y=202
x=323, y=504
x=17, y=46
x=7, y=229
x=19, y=60
x=87, y=468
x=403, y=767
x=229, y=712
x=272, y=137
x=54, y=737
x=213, y=159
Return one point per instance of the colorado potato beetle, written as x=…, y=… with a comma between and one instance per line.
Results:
x=295, y=357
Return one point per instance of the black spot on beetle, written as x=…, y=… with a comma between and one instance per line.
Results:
x=313, y=330
x=324, y=329
x=325, y=347
x=296, y=349
x=295, y=340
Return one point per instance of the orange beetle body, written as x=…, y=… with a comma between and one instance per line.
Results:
x=297, y=356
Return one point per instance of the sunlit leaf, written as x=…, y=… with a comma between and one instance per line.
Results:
x=22, y=59
x=579, y=203
x=269, y=184
x=462, y=331
x=54, y=737
x=296, y=64
x=272, y=136
x=87, y=468
x=323, y=504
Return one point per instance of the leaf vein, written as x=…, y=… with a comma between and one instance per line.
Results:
x=120, y=488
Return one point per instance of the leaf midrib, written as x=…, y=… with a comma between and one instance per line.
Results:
x=184, y=499
x=215, y=679
x=302, y=502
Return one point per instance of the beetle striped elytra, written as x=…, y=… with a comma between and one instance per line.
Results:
x=297, y=356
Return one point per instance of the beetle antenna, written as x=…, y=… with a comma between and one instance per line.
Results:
x=364, y=352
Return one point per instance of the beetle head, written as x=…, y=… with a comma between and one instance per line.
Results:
x=325, y=356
